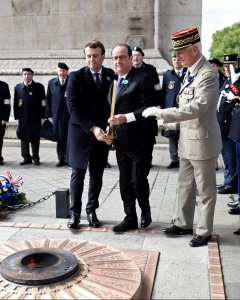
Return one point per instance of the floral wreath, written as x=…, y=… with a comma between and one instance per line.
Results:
x=9, y=194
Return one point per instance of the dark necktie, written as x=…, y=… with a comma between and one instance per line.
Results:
x=97, y=81
x=62, y=82
x=119, y=85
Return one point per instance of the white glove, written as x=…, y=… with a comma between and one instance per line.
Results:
x=234, y=76
x=3, y=122
x=152, y=111
x=42, y=121
x=230, y=96
x=50, y=120
x=17, y=121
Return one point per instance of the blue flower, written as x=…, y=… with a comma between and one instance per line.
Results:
x=190, y=78
x=125, y=81
x=108, y=79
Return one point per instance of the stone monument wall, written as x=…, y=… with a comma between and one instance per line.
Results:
x=40, y=33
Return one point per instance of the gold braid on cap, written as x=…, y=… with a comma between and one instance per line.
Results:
x=185, y=41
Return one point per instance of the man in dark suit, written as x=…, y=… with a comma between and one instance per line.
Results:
x=29, y=111
x=57, y=111
x=135, y=137
x=87, y=144
x=5, y=108
x=171, y=84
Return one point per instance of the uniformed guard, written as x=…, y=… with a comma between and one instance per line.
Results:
x=5, y=108
x=171, y=84
x=57, y=111
x=224, y=116
x=29, y=110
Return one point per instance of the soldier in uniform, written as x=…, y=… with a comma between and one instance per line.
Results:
x=199, y=141
x=234, y=132
x=170, y=88
x=224, y=116
x=29, y=111
x=57, y=111
x=150, y=70
x=5, y=108
x=216, y=63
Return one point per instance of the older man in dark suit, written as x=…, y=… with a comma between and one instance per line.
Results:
x=134, y=137
x=87, y=144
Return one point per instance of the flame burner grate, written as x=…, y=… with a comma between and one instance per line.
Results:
x=39, y=266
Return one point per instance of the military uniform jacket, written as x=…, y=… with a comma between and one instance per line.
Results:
x=136, y=94
x=170, y=88
x=200, y=137
x=29, y=109
x=224, y=109
x=87, y=108
x=56, y=108
x=5, y=106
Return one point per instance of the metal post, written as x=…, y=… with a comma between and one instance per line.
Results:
x=62, y=203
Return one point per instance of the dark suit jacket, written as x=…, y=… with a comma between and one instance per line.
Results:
x=136, y=94
x=29, y=109
x=56, y=108
x=87, y=108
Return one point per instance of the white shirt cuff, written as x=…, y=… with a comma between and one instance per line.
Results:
x=130, y=117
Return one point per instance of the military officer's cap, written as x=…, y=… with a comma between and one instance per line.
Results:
x=63, y=66
x=230, y=58
x=138, y=49
x=185, y=38
x=27, y=70
x=216, y=61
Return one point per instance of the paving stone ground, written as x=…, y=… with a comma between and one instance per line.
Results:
x=182, y=273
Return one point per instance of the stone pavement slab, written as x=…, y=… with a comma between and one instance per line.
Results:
x=182, y=273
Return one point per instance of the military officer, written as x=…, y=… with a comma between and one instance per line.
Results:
x=29, y=110
x=5, y=108
x=170, y=88
x=57, y=111
x=200, y=140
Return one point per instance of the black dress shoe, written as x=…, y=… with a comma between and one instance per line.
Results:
x=174, y=230
x=199, y=240
x=220, y=187
x=26, y=162
x=36, y=162
x=173, y=164
x=125, y=226
x=93, y=220
x=146, y=219
x=234, y=211
x=234, y=204
x=1, y=162
x=74, y=221
x=61, y=163
x=228, y=190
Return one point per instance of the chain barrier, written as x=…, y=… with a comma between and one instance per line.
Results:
x=30, y=204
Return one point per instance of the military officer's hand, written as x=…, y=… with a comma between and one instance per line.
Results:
x=234, y=76
x=17, y=121
x=50, y=120
x=152, y=111
x=3, y=122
